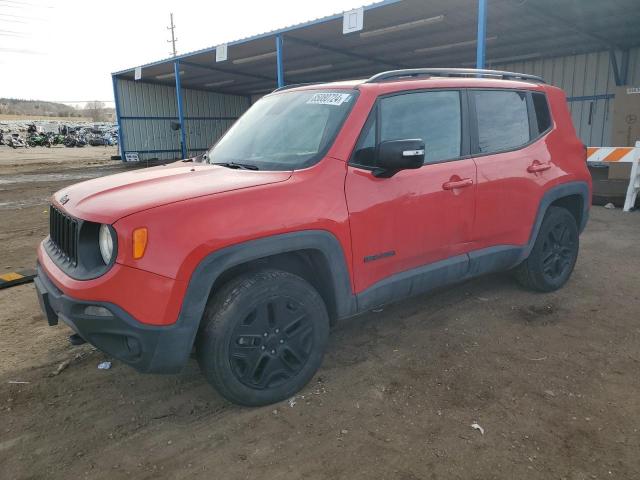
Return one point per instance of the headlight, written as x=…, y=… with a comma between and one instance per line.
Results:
x=105, y=240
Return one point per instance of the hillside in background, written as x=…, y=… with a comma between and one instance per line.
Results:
x=13, y=106
x=96, y=111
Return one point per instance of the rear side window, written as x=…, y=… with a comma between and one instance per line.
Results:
x=433, y=117
x=541, y=107
x=502, y=119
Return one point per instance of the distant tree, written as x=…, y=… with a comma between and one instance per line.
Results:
x=95, y=111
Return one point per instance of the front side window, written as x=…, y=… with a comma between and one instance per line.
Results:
x=285, y=131
x=433, y=117
x=365, y=151
x=502, y=119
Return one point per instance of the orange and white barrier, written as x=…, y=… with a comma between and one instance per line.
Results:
x=604, y=155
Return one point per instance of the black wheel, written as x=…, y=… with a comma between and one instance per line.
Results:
x=262, y=337
x=554, y=253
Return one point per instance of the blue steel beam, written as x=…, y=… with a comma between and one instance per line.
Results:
x=624, y=68
x=620, y=70
x=157, y=117
x=225, y=70
x=615, y=68
x=346, y=53
x=586, y=98
x=118, y=117
x=183, y=137
x=482, y=33
x=279, y=61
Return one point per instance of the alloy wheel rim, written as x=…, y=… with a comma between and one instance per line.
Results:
x=558, y=251
x=272, y=344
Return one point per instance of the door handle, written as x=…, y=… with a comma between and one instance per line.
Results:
x=451, y=184
x=538, y=167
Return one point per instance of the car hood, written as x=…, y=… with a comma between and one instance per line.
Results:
x=107, y=199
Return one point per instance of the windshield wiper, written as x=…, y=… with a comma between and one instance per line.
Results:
x=237, y=166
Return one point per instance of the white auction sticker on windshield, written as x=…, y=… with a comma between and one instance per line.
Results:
x=329, y=98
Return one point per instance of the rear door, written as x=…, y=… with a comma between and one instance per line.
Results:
x=420, y=216
x=512, y=166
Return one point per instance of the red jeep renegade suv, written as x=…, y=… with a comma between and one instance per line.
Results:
x=321, y=202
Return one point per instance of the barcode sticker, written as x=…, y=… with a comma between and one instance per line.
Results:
x=329, y=98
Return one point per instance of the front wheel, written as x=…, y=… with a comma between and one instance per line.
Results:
x=262, y=337
x=554, y=253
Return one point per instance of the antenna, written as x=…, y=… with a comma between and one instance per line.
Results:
x=173, y=36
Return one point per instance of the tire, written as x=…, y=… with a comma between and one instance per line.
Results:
x=262, y=337
x=554, y=253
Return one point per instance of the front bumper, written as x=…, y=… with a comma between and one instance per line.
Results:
x=147, y=348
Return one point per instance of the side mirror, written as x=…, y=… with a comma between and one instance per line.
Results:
x=396, y=155
x=175, y=126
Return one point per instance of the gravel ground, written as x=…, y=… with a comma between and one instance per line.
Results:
x=552, y=379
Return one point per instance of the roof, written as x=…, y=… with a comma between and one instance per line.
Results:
x=406, y=34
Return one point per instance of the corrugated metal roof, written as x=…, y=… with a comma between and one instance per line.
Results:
x=317, y=50
x=268, y=33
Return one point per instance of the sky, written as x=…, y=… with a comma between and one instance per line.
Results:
x=65, y=50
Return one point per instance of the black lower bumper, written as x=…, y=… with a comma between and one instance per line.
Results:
x=110, y=329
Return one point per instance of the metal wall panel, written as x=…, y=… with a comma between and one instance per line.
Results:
x=587, y=79
x=634, y=67
x=582, y=77
x=586, y=75
x=147, y=110
x=199, y=107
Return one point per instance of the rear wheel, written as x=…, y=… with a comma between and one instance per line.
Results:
x=262, y=337
x=554, y=253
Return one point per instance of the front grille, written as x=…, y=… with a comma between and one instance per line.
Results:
x=63, y=231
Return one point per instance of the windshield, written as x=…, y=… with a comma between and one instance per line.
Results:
x=285, y=131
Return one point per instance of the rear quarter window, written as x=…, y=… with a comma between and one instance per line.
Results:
x=541, y=107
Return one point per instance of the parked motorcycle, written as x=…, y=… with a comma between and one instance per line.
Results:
x=96, y=140
x=16, y=141
x=111, y=139
x=70, y=141
x=74, y=141
x=39, y=140
x=57, y=139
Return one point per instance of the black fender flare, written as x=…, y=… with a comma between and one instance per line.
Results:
x=555, y=193
x=216, y=263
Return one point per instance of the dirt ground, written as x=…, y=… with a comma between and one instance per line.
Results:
x=552, y=379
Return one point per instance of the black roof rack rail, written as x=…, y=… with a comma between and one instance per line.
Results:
x=452, y=72
x=295, y=85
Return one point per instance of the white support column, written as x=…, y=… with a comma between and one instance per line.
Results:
x=634, y=180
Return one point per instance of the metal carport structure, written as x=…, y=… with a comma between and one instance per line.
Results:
x=586, y=47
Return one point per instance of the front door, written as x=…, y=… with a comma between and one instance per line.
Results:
x=417, y=217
